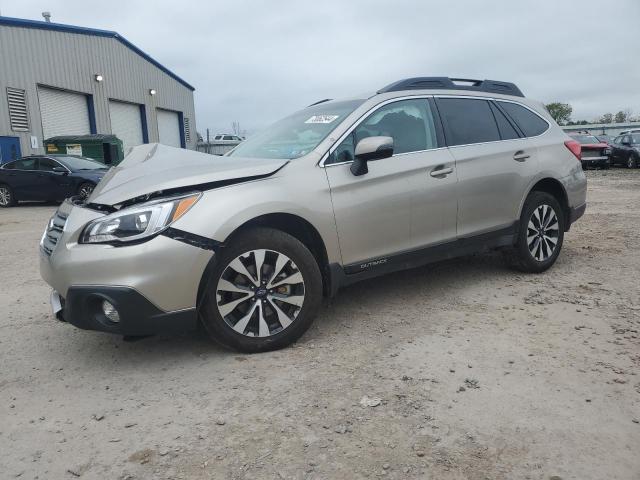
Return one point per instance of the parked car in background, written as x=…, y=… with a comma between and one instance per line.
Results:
x=220, y=144
x=226, y=137
x=595, y=153
x=625, y=150
x=605, y=139
x=626, y=132
x=341, y=191
x=48, y=178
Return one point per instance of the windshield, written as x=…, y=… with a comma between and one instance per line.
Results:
x=80, y=163
x=298, y=134
x=586, y=139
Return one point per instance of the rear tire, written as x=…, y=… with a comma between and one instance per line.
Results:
x=257, y=312
x=540, y=233
x=7, y=199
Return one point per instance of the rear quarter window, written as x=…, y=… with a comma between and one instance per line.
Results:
x=530, y=123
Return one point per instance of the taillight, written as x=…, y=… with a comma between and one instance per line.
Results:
x=575, y=148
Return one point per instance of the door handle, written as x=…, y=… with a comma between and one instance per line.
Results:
x=441, y=172
x=520, y=156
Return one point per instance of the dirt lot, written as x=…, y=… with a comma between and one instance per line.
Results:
x=480, y=372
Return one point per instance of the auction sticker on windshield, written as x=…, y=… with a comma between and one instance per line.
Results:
x=322, y=119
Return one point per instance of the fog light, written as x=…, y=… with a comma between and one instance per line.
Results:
x=110, y=311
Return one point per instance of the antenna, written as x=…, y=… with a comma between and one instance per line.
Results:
x=47, y=16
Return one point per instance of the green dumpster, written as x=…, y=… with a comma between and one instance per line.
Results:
x=103, y=148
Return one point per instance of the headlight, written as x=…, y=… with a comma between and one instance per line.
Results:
x=607, y=151
x=139, y=221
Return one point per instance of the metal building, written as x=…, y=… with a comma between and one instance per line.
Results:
x=65, y=80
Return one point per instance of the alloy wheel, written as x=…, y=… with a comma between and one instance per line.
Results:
x=542, y=232
x=260, y=293
x=630, y=162
x=85, y=191
x=5, y=196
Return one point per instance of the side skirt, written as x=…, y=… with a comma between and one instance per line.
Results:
x=348, y=274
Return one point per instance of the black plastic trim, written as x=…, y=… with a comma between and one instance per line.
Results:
x=192, y=239
x=446, y=83
x=346, y=275
x=576, y=212
x=138, y=316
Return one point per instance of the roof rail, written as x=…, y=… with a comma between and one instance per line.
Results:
x=446, y=83
x=319, y=102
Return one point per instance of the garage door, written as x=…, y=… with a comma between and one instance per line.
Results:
x=126, y=123
x=169, y=128
x=63, y=113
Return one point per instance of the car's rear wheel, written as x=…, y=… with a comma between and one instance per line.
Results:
x=6, y=196
x=262, y=293
x=540, y=233
x=85, y=189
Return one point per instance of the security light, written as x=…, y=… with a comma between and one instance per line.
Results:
x=99, y=77
x=152, y=91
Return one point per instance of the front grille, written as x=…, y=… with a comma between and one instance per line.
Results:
x=53, y=233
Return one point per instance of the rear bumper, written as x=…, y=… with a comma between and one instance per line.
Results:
x=595, y=161
x=576, y=212
x=82, y=307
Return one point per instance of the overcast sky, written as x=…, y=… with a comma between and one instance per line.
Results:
x=256, y=61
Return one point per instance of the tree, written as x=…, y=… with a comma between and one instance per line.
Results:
x=606, y=118
x=561, y=112
x=620, y=117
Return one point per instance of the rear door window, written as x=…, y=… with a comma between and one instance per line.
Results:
x=530, y=123
x=25, y=164
x=468, y=121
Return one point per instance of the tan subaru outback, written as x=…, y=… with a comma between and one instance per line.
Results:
x=248, y=244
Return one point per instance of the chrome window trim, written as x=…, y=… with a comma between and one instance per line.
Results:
x=324, y=158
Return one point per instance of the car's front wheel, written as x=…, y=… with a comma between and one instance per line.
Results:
x=540, y=233
x=262, y=293
x=6, y=196
x=632, y=162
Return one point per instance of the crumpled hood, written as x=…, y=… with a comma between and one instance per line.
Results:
x=154, y=167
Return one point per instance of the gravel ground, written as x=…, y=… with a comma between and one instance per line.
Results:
x=470, y=370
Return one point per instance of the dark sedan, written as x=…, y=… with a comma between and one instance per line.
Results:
x=48, y=178
x=626, y=150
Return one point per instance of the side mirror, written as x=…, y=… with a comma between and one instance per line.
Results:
x=368, y=149
x=627, y=143
x=60, y=170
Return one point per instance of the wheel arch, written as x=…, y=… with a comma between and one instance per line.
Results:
x=291, y=224
x=553, y=187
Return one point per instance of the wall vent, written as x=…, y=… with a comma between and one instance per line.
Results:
x=18, y=115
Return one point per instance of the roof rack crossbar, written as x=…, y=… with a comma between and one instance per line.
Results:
x=446, y=83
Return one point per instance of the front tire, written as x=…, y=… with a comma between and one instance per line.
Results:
x=7, y=199
x=540, y=233
x=632, y=162
x=262, y=293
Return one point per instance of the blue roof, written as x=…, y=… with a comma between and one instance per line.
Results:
x=59, y=27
